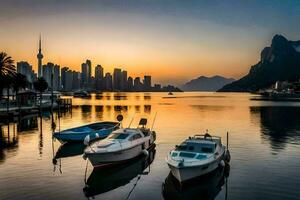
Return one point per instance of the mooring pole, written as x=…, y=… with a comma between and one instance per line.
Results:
x=227, y=138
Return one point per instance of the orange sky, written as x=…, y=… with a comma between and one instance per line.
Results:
x=172, y=42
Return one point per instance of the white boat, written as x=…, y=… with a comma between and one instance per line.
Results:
x=196, y=156
x=121, y=146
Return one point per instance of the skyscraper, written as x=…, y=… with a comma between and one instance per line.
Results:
x=86, y=74
x=63, y=77
x=137, y=84
x=56, y=77
x=117, y=79
x=26, y=69
x=123, y=85
x=40, y=57
x=47, y=71
x=99, y=77
x=89, y=71
x=76, y=80
x=108, y=82
x=130, y=83
x=147, y=83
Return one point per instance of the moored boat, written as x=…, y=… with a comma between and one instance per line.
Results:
x=197, y=156
x=94, y=131
x=121, y=146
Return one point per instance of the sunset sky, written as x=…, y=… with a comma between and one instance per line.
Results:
x=172, y=40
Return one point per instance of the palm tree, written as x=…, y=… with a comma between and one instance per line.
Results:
x=40, y=85
x=7, y=71
x=20, y=82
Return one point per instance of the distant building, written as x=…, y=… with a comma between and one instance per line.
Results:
x=108, y=82
x=26, y=69
x=123, y=86
x=157, y=87
x=117, y=79
x=137, y=85
x=47, y=73
x=76, y=80
x=68, y=80
x=130, y=83
x=147, y=83
x=56, y=78
x=86, y=74
x=63, y=77
x=99, y=79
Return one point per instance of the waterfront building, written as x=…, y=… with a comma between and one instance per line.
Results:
x=137, y=85
x=48, y=69
x=123, y=86
x=99, y=77
x=157, y=87
x=147, y=83
x=25, y=68
x=130, y=83
x=63, y=77
x=56, y=78
x=76, y=80
x=108, y=82
x=69, y=80
x=86, y=74
x=117, y=79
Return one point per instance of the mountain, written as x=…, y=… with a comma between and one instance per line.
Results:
x=204, y=83
x=280, y=61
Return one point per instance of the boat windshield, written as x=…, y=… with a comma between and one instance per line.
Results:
x=196, y=147
x=119, y=136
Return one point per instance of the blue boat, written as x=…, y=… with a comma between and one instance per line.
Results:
x=98, y=130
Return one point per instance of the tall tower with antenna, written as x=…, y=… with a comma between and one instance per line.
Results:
x=40, y=57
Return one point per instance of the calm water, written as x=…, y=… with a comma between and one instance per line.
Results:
x=264, y=145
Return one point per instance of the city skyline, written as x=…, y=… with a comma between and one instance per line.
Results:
x=173, y=41
x=65, y=79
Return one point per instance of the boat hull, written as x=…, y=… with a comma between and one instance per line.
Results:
x=78, y=134
x=79, y=137
x=102, y=160
x=183, y=174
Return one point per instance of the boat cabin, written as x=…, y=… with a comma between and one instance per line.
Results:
x=197, y=147
x=127, y=134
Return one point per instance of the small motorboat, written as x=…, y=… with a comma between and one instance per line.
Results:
x=197, y=156
x=94, y=131
x=122, y=145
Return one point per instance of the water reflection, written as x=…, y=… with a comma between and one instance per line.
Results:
x=69, y=150
x=104, y=180
x=205, y=187
x=120, y=96
x=27, y=123
x=279, y=125
x=8, y=139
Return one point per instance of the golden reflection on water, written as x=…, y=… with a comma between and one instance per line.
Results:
x=260, y=135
